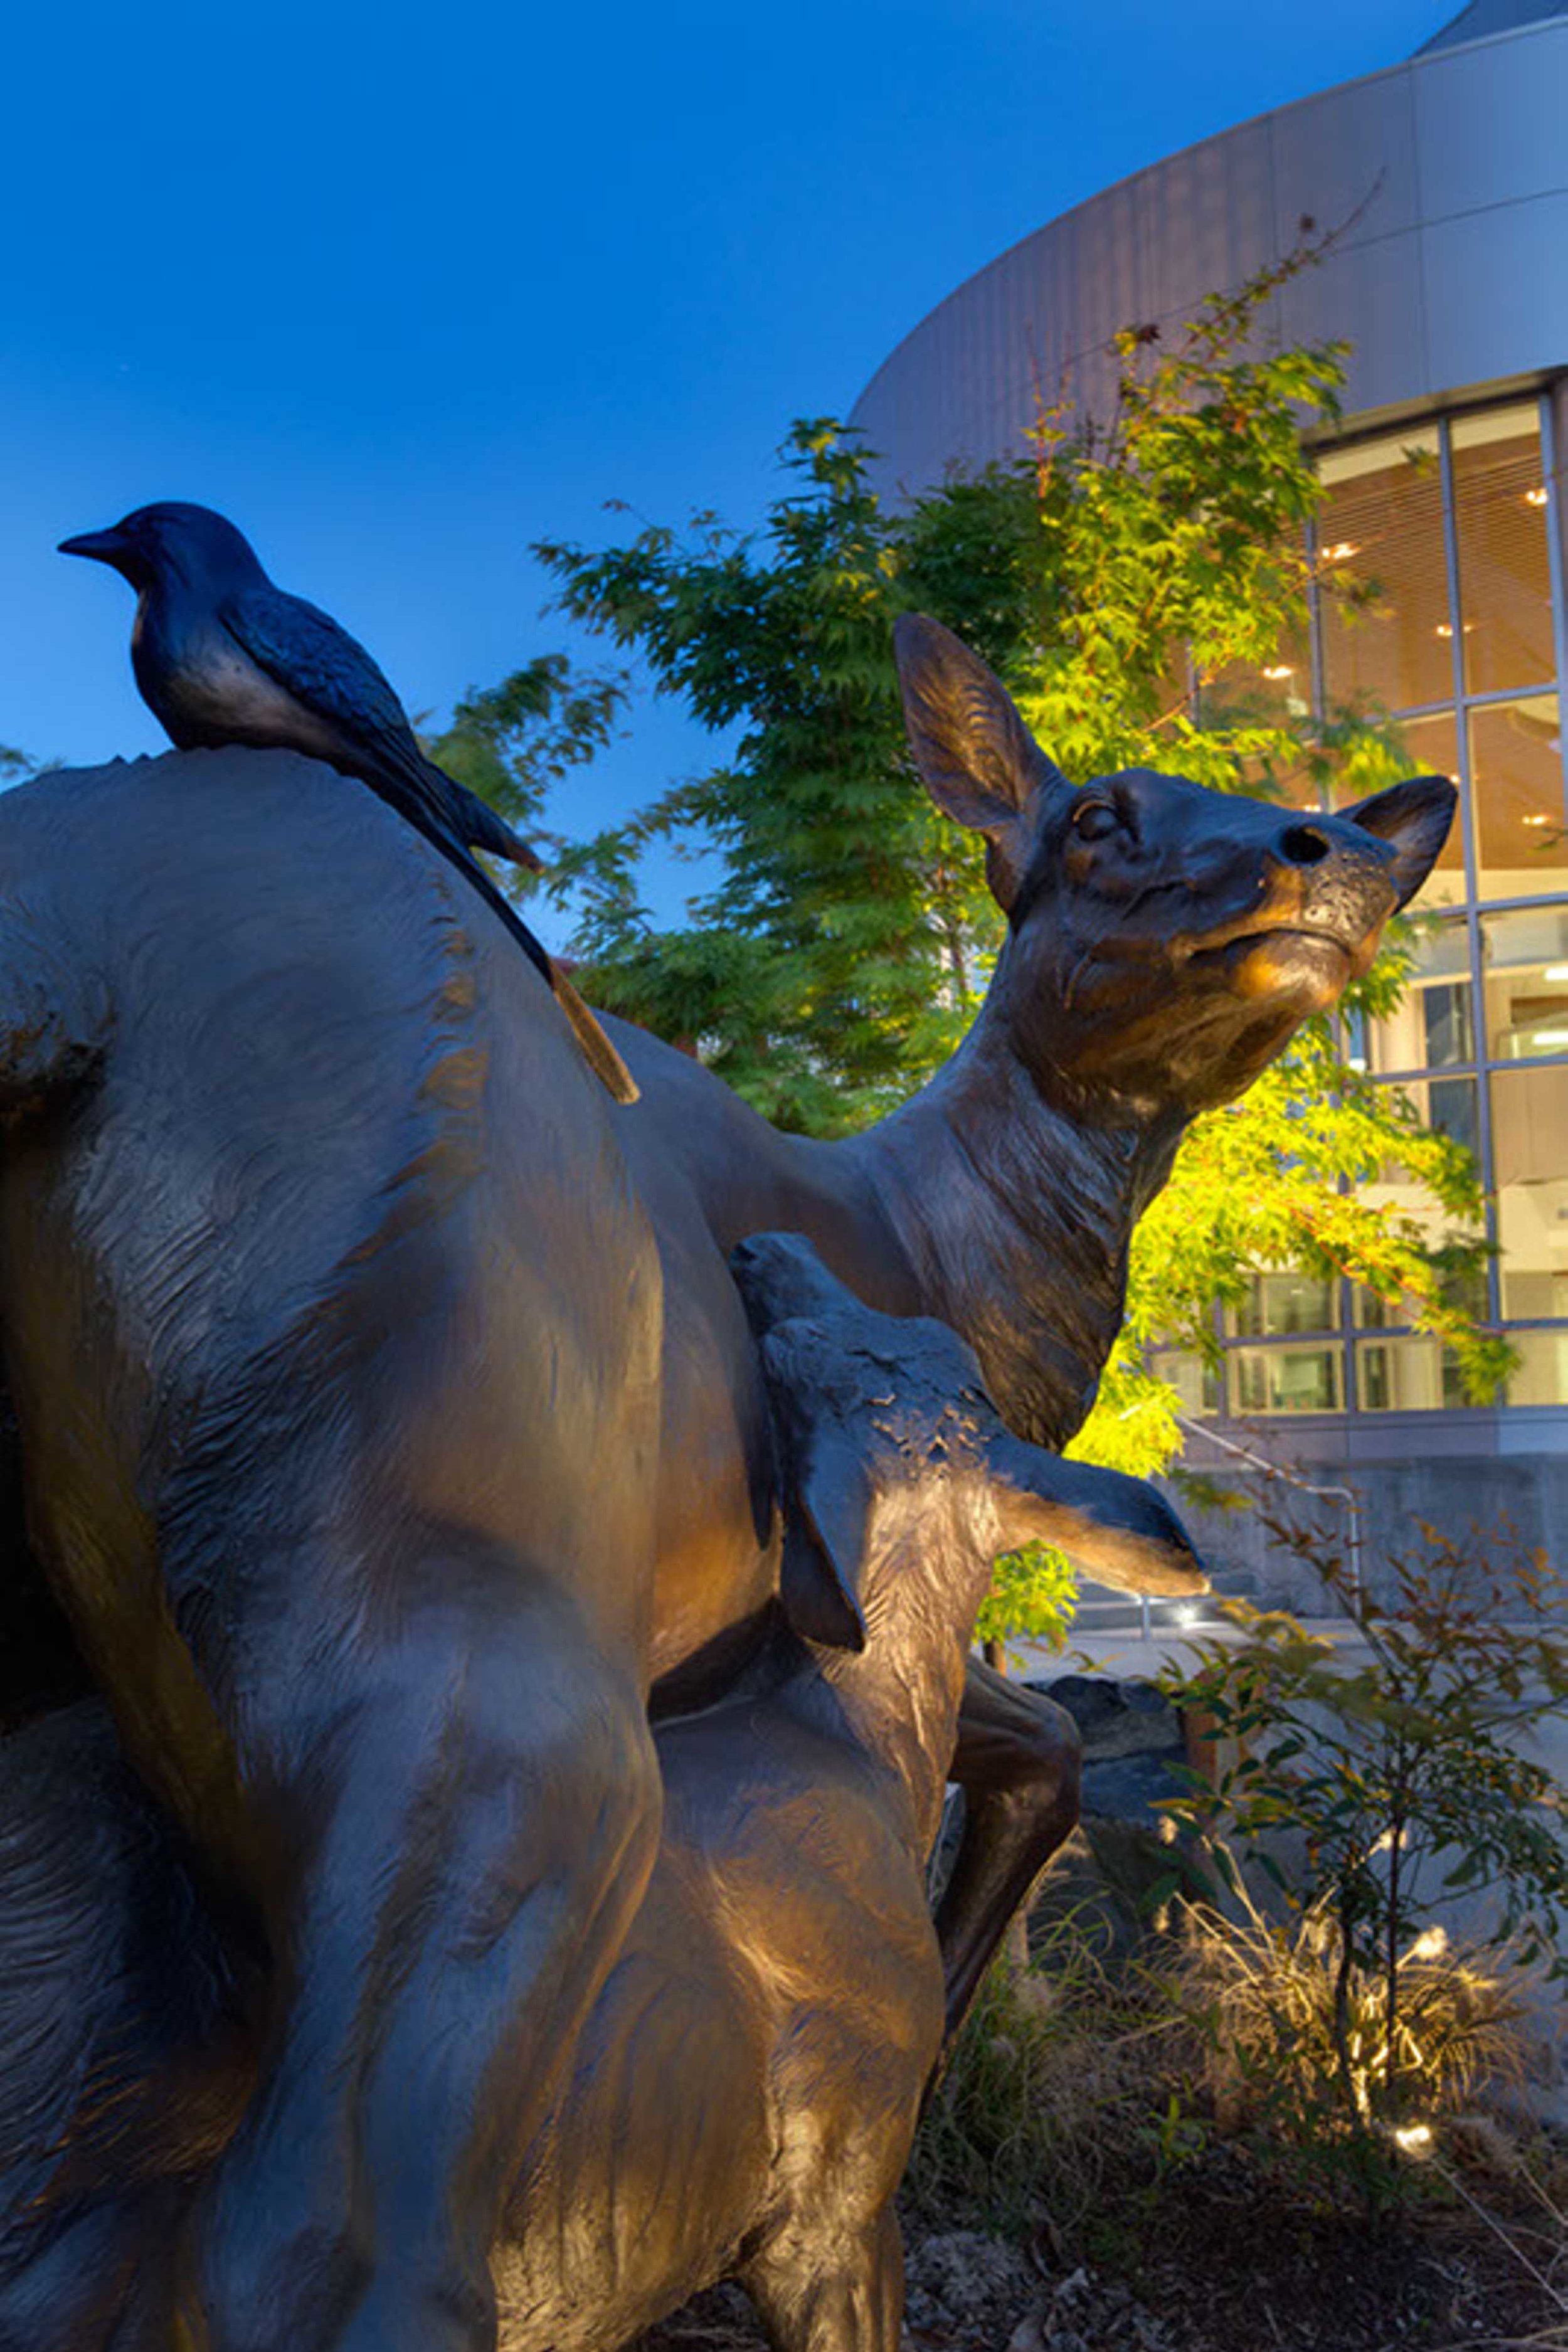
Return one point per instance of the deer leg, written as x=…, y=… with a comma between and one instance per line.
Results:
x=475, y=1808
x=1017, y=1763
x=122, y=2057
x=816, y=2297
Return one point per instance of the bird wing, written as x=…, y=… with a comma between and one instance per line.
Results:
x=306, y=652
x=314, y=659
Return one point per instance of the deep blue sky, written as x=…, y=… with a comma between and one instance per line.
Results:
x=401, y=288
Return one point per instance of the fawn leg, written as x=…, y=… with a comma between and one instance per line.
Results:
x=1018, y=1763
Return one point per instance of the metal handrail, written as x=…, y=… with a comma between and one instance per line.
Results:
x=1260, y=1462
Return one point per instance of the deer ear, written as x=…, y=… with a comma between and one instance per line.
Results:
x=1414, y=817
x=978, y=760
x=828, y=1507
x=1116, y=1529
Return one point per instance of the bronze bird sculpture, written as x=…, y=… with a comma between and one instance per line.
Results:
x=224, y=656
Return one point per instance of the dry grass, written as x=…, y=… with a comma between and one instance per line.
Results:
x=1165, y=2122
x=1079, y=2088
x=1295, y=2040
x=1058, y=2086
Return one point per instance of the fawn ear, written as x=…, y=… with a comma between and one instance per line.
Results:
x=979, y=761
x=1116, y=1529
x=828, y=1507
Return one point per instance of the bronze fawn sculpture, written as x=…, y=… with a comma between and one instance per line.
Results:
x=389, y=1421
x=745, y=2088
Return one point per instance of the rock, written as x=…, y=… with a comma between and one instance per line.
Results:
x=1131, y=1788
x=1117, y=1871
x=1117, y=1718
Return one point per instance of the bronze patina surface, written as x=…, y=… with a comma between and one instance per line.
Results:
x=745, y=2087
x=389, y=1422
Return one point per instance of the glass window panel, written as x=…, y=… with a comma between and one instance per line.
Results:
x=1524, y=974
x=1408, y=1376
x=1429, y=746
x=1466, y=1291
x=1530, y=1154
x=1433, y=1029
x=1286, y=1379
x=1452, y=1106
x=1295, y=787
x=1505, y=573
x=1277, y=1304
x=1281, y=688
x=1451, y=1110
x=1516, y=778
x=1197, y=1384
x=1543, y=1374
x=1382, y=521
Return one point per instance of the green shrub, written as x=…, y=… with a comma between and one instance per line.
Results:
x=1394, y=1763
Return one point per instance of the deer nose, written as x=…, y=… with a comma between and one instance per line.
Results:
x=1304, y=844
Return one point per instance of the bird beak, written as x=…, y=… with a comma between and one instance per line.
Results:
x=103, y=546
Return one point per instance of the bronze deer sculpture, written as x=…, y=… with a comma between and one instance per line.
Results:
x=388, y=1418
x=745, y=2087
x=1164, y=944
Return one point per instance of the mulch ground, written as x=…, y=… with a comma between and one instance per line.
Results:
x=1214, y=2271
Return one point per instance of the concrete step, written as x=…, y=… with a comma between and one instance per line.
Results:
x=1101, y=1610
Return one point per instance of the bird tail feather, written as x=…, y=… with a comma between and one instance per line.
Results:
x=479, y=825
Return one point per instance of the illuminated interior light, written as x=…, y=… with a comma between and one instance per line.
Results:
x=1536, y=816
x=1281, y=669
x=1443, y=630
x=1341, y=552
x=1555, y=971
x=1555, y=1037
x=1536, y=497
x=1415, y=2139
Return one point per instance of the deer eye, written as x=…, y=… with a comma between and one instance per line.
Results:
x=1093, y=820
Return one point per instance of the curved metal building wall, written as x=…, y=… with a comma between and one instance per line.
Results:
x=1450, y=175
x=1450, y=281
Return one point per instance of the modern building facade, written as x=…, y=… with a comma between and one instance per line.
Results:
x=1447, y=181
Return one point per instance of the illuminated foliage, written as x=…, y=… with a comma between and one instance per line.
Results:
x=1140, y=586
x=511, y=743
x=1394, y=1760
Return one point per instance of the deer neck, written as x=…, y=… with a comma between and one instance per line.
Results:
x=1014, y=1213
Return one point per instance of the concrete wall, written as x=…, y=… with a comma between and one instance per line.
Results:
x=1456, y=1492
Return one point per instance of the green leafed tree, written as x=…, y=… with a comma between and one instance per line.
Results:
x=1142, y=587
x=512, y=743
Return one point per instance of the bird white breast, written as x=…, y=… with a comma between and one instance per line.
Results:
x=215, y=694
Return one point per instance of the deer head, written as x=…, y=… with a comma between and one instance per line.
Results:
x=1164, y=940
